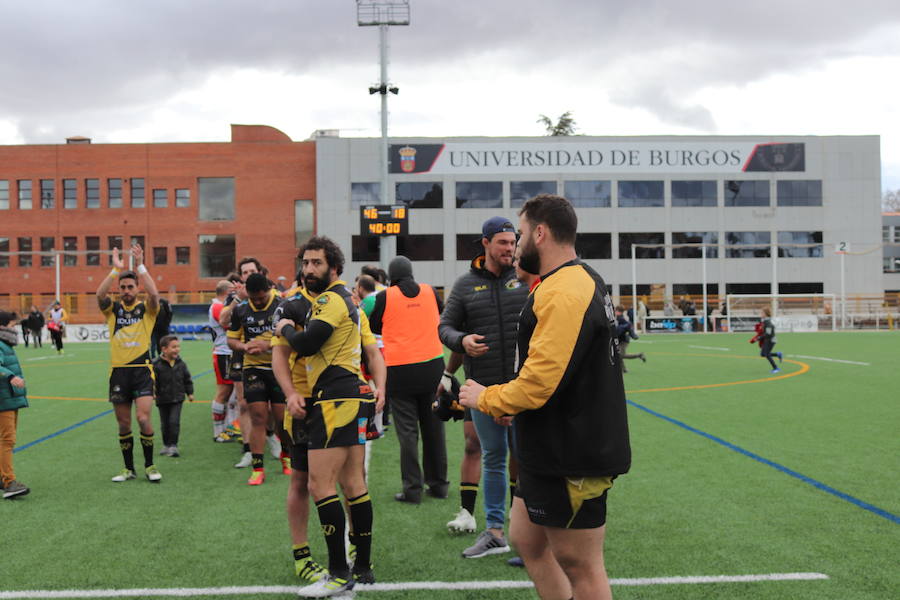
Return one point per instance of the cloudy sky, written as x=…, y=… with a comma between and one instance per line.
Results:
x=183, y=70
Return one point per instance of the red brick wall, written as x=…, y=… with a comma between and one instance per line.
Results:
x=269, y=170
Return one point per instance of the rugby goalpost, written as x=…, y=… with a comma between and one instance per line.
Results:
x=791, y=312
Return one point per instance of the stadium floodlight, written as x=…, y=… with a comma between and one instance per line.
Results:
x=383, y=14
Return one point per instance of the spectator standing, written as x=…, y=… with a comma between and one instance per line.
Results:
x=407, y=315
x=480, y=320
x=36, y=322
x=57, y=325
x=173, y=383
x=13, y=397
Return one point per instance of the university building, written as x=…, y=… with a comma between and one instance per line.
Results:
x=771, y=211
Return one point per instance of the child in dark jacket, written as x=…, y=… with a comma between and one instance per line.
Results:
x=173, y=382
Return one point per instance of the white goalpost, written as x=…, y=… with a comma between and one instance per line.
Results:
x=790, y=312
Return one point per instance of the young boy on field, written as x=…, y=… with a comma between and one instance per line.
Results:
x=12, y=398
x=173, y=382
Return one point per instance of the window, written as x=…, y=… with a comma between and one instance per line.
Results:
x=891, y=264
x=789, y=239
x=627, y=239
x=799, y=192
x=694, y=193
x=801, y=288
x=70, y=193
x=114, y=191
x=182, y=255
x=217, y=257
x=695, y=290
x=468, y=245
x=216, y=198
x=365, y=248
x=747, y=193
x=25, y=260
x=160, y=255
x=421, y=194
x=48, y=244
x=4, y=194
x=137, y=192
x=421, y=247
x=897, y=234
x=92, y=193
x=113, y=241
x=594, y=245
x=757, y=245
x=70, y=244
x=24, y=194
x=588, y=194
x=303, y=221
x=92, y=242
x=520, y=191
x=160, y=198
x=479, y=194
x=48, y=193
x=362, y=194
x=626, y=291
x=633, y=194
x=182, y=198
x=4, y=247
x=748, y=288
x=695, y=237
x=885, y=233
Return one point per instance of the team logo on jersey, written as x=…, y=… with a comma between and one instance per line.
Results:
x=513, y=284
x=407, y=159
x=250, y=319
x=323, y=299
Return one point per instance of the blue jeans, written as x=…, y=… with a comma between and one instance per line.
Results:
x=493, y=468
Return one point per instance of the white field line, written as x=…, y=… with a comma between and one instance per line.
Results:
x=837, y=360
x=52, y=356
x=711, y=348
x=393, y=587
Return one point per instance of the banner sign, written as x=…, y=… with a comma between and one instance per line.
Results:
x=796, y=323
x=626, y=157
x=673, y=324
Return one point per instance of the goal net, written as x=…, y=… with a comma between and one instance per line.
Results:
x=790, y=312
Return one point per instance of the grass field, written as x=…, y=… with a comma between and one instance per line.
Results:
x=736, y=472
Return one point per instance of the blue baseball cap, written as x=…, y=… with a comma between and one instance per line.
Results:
x=496, y=225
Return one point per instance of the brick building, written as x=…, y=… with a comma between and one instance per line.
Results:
x=194, y=207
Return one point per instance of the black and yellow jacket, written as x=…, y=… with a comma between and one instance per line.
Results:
x=568, y=398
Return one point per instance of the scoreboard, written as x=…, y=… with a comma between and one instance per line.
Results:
x=384, y=220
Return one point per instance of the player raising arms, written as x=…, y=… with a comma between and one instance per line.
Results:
x=130, y=323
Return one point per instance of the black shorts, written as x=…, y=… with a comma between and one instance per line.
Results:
x=128, y=383
x=564, y=502
x=339, y=423
x=235, y=367
x=467, y=415
x=300, y=445
x=260, y=385
x=766, y=348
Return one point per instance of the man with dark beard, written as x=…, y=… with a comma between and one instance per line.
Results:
x=569, y=405
x=337, y=410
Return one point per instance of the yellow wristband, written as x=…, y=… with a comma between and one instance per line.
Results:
x=113, y=273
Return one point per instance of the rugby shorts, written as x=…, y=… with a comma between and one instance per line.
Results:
x=235, y=366
x=564, y=502
x=260, y=385
x=128, y=383
x=221, y=368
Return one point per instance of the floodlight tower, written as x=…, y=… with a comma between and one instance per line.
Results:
x=383, y=14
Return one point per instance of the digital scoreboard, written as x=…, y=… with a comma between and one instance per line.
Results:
x=383, y=220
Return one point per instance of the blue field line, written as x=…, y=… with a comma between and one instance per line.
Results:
x=85, y=422
x=817, y=484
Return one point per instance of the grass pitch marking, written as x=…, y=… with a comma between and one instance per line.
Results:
x=711, y=348
x=394, y=587
x=837, y=360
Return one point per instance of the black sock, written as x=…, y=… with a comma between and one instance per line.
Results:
x=246, y=448
x=269, y=433
x=771, y=362
x=362, y=517
x=468, y=493
x=333, y=521
x=512, y=491
x=126, y=444
x=147, y=445
x=258, y=462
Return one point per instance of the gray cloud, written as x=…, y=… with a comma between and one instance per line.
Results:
x=96, y=59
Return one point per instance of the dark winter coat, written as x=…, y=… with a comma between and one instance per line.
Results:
x=487, y=305
x=173, y=381
x=11, y=398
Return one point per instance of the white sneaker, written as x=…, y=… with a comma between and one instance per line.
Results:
x=246, y=461
x=274, y=445
x=124, y=475
x=463, y=522
x=327, y=587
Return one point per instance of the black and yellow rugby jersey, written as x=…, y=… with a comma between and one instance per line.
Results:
x=296, y=308
x=340, y=356
x=130, y=328
x=568, y=398
x=249, y=322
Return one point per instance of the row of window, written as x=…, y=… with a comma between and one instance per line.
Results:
x=890, y=234
x=695, y=290
x=738, y=244
x=216, y=195
x=597, y=194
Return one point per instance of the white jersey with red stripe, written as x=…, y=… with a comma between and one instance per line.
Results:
x=220, y=340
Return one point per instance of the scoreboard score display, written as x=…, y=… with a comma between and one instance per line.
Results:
x=384, y=220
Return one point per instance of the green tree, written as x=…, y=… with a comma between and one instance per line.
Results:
x=890, y=201
x=565, y=125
